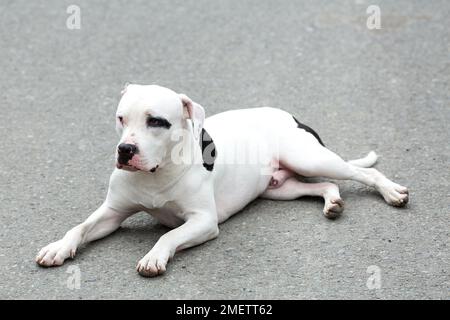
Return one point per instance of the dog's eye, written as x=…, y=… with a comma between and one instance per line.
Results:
x=158, y=122
x=120, y=118
x=154, y=122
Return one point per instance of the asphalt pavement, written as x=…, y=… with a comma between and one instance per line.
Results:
x=361, y=89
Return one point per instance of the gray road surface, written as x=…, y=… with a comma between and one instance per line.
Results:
x=361, y=89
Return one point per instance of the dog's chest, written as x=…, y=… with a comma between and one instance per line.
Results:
x=169, y=215
x=152, y=200
x=165, y=210
x=163, y=206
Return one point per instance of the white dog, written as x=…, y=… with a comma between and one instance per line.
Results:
x=168, y=166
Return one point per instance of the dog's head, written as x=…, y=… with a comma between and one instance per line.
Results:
x=146, y=118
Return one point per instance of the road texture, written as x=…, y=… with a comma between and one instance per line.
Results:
x=361, y=89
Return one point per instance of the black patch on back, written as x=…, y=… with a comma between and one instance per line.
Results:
x=208, y=150
x=308, y=129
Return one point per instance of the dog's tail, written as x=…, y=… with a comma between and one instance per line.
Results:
x=365, y=162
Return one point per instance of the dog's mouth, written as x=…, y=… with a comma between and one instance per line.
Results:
x=126, y=167
x=134, y=163
x=132, y=168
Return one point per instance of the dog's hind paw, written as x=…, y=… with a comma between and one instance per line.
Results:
x=333, y=208
x=395, y=194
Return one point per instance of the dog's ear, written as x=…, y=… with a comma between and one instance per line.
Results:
x=195, y=113
x=125, y=86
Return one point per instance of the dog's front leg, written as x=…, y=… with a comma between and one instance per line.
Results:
x=98, y=225
x=198, y=229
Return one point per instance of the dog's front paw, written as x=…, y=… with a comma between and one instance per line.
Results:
x=55, y=253
x=152, y=264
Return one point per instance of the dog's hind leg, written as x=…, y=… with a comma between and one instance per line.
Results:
x=292, y=189
x=307, y=157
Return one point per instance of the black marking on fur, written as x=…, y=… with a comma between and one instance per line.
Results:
x=208, y=150
x=308, y=129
